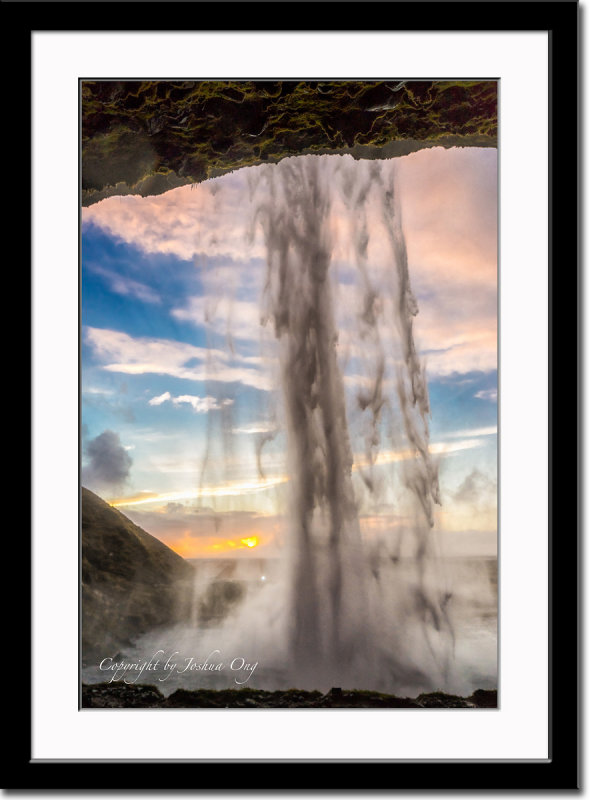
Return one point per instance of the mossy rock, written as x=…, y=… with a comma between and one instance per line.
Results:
x=145, y=137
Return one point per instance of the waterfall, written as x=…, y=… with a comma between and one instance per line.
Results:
x=358, y=598
x=338, y=618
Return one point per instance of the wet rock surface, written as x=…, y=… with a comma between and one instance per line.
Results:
x=118, y=695
x=146, y=137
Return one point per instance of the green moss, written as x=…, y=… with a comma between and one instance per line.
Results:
x=134, y=130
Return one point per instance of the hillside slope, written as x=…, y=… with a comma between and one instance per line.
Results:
x=131, y=581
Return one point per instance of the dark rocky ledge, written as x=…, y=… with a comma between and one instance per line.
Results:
x=120, y=695
x=146, y=137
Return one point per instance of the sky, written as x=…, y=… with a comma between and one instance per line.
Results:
x=182, y=424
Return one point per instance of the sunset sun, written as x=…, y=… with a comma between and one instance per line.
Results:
x=252, y=541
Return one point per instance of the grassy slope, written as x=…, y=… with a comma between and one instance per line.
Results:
x=131, y=581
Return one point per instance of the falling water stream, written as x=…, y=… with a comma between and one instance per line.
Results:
x=335, y=597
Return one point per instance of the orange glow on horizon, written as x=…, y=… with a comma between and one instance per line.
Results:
x=209, y=546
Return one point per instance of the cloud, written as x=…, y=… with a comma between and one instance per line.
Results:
x=491, y=430
x=224, y=315
x=211, y=217
x=148, y=354
x=109, y=463
x=108, y=401
x=201, y=405
x=475, y=489
x=449, y=206
x=127, y=287
x=120, y=352
x=449, y=209
x=97, y=390
x=256, y=427
x=455, y=341
x=227, y=489
x=251, y=483
x=157, y=401
x=455, y=329
x=435, y=448
x=488, y=394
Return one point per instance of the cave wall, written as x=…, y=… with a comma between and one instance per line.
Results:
x=146, y=137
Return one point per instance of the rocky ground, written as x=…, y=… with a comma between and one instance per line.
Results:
x=118, y=695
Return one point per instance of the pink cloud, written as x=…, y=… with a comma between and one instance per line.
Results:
x=449, y=207
x=210, y=217
x=449, y=211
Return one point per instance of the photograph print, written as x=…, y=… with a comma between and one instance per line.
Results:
x=289, y=394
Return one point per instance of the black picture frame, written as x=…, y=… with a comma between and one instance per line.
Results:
x=561, y=770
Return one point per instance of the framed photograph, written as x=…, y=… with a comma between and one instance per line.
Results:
x=297, y=304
